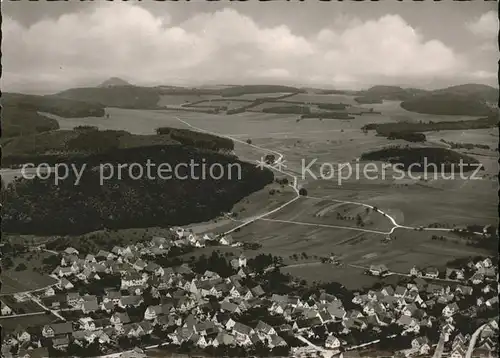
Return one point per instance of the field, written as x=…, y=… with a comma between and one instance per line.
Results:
x=21, y=307
x=166, y=100
x=9, y=324
x=311, y=225
x=351, y=278
x=487, y=136
x=26, y=280
x=394, y=113
x=328, y=212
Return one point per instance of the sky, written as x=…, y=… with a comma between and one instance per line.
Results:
x=51, y=46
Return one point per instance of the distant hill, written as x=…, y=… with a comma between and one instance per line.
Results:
x=114, y=82
x=448, y=103
x=483, y=92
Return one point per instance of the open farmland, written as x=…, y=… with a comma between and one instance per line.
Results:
x=28, y=279
x=393, y=112
x=416, y=248
x=331, y=141
x=487, y=136
x=169, y=99
x=321, y=98
x=351, y=278
x=327, y=212
x=230, y=104
x=411, y=202
x=11, y=323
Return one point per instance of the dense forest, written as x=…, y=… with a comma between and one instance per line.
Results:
x=19, y=122
x=21, y=117
x=444, y=159
x=42, y=207
x=85, y=141
x=444, y=103
x=197, y=139
x=408, y=136
x=328, y=115
x=386, y=128
x=62, y=107
x=368, y=100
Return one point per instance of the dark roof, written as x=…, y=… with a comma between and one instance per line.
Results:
x=61, y=328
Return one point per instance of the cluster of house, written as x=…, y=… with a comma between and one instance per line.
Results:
x=481, y=271
x=184, y=311
x=206, y=310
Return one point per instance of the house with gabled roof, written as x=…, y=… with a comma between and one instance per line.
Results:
x=400, y=291
x=458, y=352
x=415, y=271
x=226, y=240
x=408, y=322
x=431, y=272
x=60, y=342
x=378, y=270
x=223, y=339
x=103, y=255
x=332, y=342
x=56, y=329
x=387, y=291
x=422, y=345
x=455, y=274
x=62, y=272
x=464, y=290
x=130, y=301
x=450, y=309
x=276, y=341
x=132, y=279
x=90, y=306
x=477, y=278
x=436, y=290
x=264, y=329
x=242, y=333
x=71, y=251
x=229, y=307
x=119, y=318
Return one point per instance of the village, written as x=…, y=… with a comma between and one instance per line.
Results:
x=130, y=300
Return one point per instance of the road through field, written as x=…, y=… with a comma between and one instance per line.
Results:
x=296, y=189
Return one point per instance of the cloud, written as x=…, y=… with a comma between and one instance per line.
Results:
x=485, y=26
x=224, y=46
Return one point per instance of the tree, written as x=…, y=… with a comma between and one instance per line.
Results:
x=359, y=220
x=249, y=141
x=7, y=262
x=20, y=267
x=303, y=192
x=269, y=158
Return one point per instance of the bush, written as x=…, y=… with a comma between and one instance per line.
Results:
x=20, y=267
